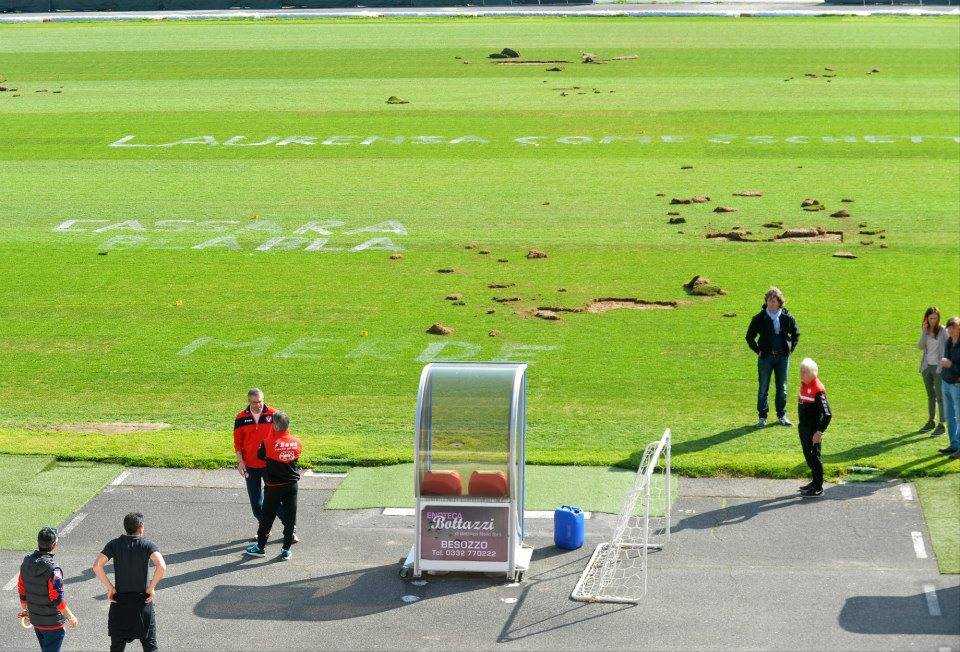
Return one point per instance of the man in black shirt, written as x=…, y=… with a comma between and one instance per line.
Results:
x=131, y=600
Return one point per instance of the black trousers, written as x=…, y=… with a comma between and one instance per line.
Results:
x=811, y=453
x=131, y=618
x=119, y=644
x=273, y=499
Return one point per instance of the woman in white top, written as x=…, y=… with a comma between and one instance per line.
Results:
x=933, y=339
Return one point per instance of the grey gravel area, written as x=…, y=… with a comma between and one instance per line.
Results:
x=749, y=566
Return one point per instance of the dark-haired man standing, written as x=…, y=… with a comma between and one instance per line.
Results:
x=40, y=586
x=131, y=600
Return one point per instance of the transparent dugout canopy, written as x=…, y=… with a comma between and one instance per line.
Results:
x=470, y=426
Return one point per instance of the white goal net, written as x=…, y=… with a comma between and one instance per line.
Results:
x=617, y=571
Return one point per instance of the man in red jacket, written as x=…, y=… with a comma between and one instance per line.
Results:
x=281, y=452
x=251, y=427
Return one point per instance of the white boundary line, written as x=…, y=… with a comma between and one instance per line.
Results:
x=906, y=492
x=933, y=604
x=12, y=583
x=918, y=546
x=120, y=478
x=74, y=522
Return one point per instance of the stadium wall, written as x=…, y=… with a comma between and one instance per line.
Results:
x=38, y=6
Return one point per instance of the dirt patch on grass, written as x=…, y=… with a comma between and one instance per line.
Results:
x=796, y=234
x=527, y=62
x=628, y=303
x=810, y=234
x=110, y=427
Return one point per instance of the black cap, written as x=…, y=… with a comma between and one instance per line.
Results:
x=47, y=538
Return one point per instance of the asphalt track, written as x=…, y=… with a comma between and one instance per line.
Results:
x=750, y=566
x=758, y=9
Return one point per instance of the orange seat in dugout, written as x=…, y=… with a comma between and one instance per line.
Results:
x=441, y=483
x=491, y=484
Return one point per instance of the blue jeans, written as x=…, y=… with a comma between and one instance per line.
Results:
x=779, y=366
x=255, y=479
x=951, y=407
x=50, y=639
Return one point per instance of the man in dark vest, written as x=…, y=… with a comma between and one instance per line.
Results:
x=773, y=336
x=41, y=593
x=131, y=600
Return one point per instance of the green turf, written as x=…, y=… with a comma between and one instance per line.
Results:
x=594, y=489
x=119, y=337
x=940, y=498
x=40, y=491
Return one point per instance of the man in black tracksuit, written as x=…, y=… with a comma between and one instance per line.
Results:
x=773, y=336
x=814, y=415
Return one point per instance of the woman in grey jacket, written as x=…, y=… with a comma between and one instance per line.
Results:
x=933, y=339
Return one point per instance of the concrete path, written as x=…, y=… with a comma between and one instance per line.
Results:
x=749, y=566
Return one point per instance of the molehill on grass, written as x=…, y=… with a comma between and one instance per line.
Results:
x=701, y=286
x=454, y=297
x=439, y=329
x=505, y=53
x=536, y=253
x=393, y=99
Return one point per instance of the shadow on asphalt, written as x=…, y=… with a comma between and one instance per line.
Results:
x=737, y=513
x=525, y=622
x=333, y=597
x=173, y=579
x=881, y=614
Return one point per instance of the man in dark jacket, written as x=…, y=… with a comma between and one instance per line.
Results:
x=40, y=586
x=773, y=336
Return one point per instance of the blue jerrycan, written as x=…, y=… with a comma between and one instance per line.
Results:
x=568, y=527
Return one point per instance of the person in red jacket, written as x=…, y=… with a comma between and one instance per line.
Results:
x=280, y=451
x=250, y=427
x=814, y=412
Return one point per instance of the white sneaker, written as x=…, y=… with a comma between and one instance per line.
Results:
x=761, y=422
x=784, y=421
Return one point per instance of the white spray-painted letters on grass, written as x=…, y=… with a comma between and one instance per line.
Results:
x=233, y=235
x=312, y=348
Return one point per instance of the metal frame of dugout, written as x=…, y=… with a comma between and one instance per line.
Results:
x=468, y=470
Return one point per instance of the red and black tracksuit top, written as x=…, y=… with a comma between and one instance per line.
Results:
x=813, y=409
x=280, y=452
x=249, y=434
x=40, y=586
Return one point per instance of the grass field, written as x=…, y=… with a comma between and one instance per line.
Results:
x=228, y=264
x=39, y=491
x=940, y=498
